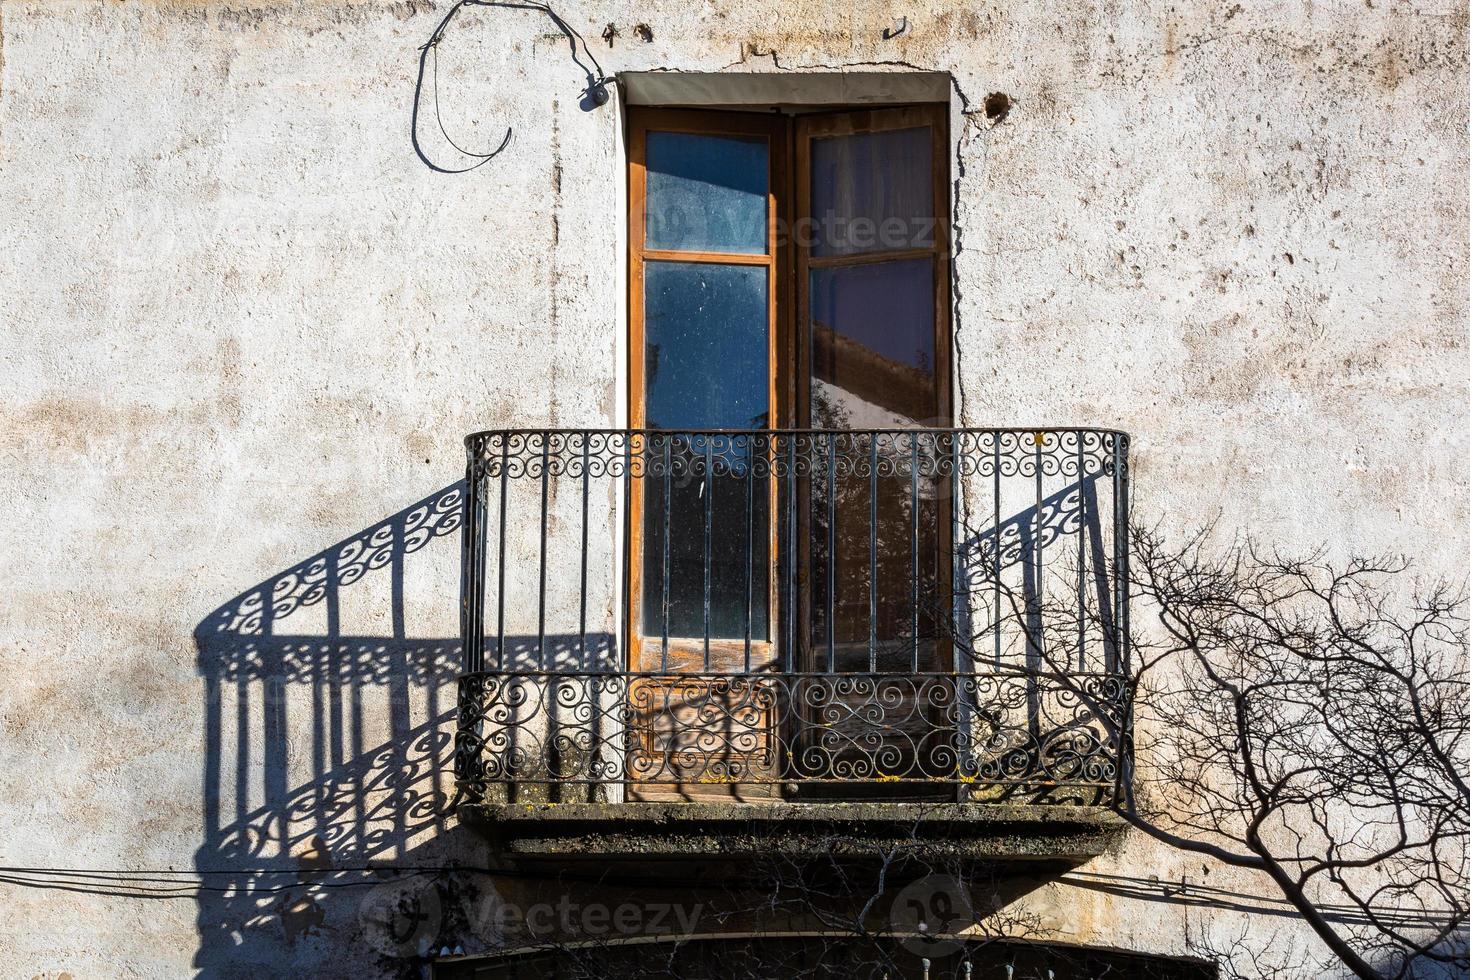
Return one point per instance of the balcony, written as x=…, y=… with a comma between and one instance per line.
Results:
x=695, y=628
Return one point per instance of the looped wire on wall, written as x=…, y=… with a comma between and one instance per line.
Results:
x=594, y=94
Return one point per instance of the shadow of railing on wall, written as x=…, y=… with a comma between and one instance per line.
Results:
x=327, y=755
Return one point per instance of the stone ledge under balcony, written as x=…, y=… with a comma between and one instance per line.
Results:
x=714, y=834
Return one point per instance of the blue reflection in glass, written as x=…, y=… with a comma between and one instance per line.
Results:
x=705, y=346
x=705, y=366
x=706, y=193
x=872, y=344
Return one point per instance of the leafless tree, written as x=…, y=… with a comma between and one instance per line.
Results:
x=1304, y=719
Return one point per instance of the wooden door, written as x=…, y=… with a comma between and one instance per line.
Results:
x=872, y=282
x=707, y=286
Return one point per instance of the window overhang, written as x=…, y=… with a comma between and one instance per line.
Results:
x=785, y=90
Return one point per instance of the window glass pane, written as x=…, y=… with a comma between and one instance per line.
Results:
x=872, y=345
x=705, y=355
x=739, y=541
x=706, y=193
x=872, y=192
x=883, y=562
x=705, y=366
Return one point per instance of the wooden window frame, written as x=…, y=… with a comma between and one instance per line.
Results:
x=788, y=316
x=852, y=123
x=681, y=651
x=806, y=128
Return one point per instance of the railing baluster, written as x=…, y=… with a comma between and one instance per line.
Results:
x=1081, y=555
x=500, y=580
x=791, y=565
x=1117, y=557
x=541, y=588
x=468, y=556
x=668, y=498
x=1033, y=614
x=709, y=510
x=582, y=611
x=749, y=549
x=873, y=551
x=995, y=523
x=914, y=547
x=1126, y=504
x=631, y=619
x=472, y=623
x=956, y=539
x=1120, y=573
x=831, y=552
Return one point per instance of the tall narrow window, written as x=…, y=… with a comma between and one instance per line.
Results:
x=704, y=300
x=787, y=272
x=873, y=267
x=873, y=290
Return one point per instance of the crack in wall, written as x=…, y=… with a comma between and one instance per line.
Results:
x=2, y=71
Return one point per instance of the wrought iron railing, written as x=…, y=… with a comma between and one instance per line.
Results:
x=795, y=614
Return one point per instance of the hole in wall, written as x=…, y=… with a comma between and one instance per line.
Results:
x=997, y=107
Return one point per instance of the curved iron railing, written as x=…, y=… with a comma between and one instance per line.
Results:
x=779, y=613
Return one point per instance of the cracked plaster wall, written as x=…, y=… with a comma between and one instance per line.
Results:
x=242, y=321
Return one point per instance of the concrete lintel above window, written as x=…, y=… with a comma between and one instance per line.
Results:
x=786, y=89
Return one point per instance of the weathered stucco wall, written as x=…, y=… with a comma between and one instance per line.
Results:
x=243, y=321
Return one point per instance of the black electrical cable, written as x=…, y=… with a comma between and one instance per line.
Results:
x=151, y=883
x=595, y=90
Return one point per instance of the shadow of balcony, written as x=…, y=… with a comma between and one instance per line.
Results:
x=327, y=755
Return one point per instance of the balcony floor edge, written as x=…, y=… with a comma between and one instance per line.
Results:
x=1033, y=838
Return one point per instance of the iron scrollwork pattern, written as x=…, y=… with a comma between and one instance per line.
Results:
x=918, y=606
x=1034, y=738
